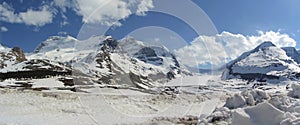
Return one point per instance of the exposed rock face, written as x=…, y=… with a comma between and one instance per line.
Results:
x=141, y=69
x=44, y=64
x=111, y=43
x=156, y=55
x=148, y=55
x=171, y=75
x=13, y=56
x=147, y=52
x=116, y=74
x=19, y=53
x=293, y=53
x=103, y=58
x=39, y=47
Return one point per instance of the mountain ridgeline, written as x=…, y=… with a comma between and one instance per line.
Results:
x=132, y=63
x=100, y=59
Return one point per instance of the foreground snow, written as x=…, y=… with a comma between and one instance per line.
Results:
x=203, y=99
x=35, y=108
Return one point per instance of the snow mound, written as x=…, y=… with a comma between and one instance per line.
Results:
x=256, y=107
x=235, y=102
x=246, y=98
x=261, y=114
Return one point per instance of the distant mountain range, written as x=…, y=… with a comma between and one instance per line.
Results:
x=129, y=62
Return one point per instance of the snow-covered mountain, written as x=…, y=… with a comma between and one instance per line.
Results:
x=128, y=61
x=266, y=61
x=56, y=48
x=55, y=43
x=14, y=64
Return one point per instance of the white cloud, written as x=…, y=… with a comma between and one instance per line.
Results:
x=144, y=6
x=202, y=50
x=221, y=47
x=7, y=14
x=106, y=12
x=39, y=17
x=3, y=29
x=64, y=4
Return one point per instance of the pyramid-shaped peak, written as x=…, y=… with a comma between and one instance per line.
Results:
x=265, y=45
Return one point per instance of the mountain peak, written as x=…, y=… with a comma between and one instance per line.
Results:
x=265, y=45
x=109, y=37
x=60, y=38
x=55, y=42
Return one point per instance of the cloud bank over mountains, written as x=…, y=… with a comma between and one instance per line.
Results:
x=223, y=47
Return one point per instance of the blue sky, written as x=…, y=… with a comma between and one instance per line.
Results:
x=234, y=16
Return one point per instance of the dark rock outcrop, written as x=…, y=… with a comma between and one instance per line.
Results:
x=19, y=54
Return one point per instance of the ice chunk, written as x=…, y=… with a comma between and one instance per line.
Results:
x=261, y=114
x=236, y=101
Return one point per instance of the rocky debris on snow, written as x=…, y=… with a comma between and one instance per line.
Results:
x=170, y=90
x=186, y=120
x=35, y=68
x=220, y=116
x=67, y=81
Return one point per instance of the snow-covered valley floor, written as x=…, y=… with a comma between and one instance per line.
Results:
x=198, y=99
x=35, y=108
